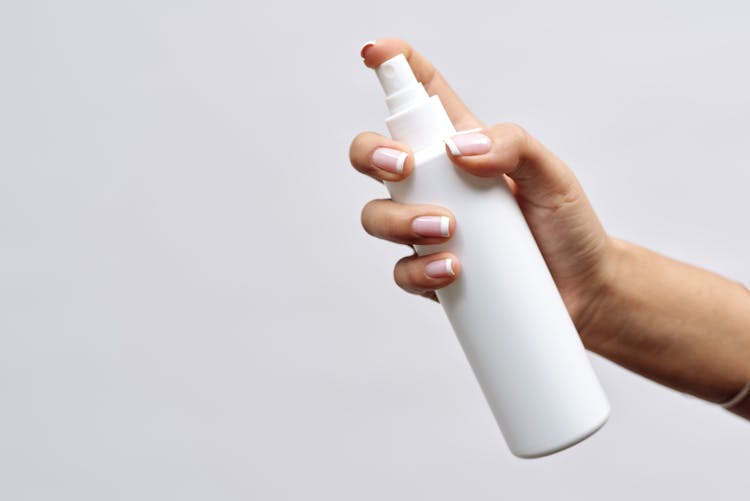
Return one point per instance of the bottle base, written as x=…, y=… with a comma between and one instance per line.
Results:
x=564, y=445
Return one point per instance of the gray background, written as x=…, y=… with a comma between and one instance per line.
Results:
x=189, y=308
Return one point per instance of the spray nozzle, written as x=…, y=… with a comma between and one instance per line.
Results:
x=395, y=74
x=401, y=87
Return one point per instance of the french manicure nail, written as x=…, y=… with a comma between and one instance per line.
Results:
x=366, y=46
x=472, y=143
x=389, y=160
x=469, y=131
x=441, y=268
x=431, y=226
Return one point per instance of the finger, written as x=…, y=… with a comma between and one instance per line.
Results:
x=377, y=52
x=537, y=174
x=407, y=224
x=380, y=157
x=423, y=274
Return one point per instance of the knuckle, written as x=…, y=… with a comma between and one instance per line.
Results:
x=359, y=143
x=367, y=216
x=404, y=274
x=512, y=142
x=399, y=272
x=514, y=136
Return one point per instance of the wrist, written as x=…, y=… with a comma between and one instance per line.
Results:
x=670, y=322
x=604, y=312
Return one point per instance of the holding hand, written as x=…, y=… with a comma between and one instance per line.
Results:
x=561, y=219
x=674, y=323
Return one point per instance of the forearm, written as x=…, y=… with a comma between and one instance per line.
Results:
x=674, y=323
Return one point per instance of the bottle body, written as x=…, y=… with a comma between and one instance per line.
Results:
x=507, y=312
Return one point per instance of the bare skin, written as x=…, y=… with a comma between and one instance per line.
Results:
x=676, y=324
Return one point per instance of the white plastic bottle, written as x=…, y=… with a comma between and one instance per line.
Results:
x=504, y=307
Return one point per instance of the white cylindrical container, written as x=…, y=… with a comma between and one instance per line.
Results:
x=505, y=308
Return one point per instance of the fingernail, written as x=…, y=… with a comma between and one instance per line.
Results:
x=389, y=159
x=472, y=143
x=366, y=46
x=431, y=226
x=440, y=269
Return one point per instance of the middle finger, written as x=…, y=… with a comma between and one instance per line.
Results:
x=408, y=224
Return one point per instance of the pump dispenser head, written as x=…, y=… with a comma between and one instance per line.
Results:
x=395, y=74
x=401, y=87
x=416, y=118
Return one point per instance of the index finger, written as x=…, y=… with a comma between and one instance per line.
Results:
x=376, y=53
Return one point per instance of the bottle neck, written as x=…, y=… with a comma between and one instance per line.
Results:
x=421, y=125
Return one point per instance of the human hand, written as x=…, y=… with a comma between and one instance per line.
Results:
x=565, y=227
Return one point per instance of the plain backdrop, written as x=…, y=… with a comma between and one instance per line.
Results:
x=189, y=308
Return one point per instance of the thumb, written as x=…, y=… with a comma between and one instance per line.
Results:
x=539, y=177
